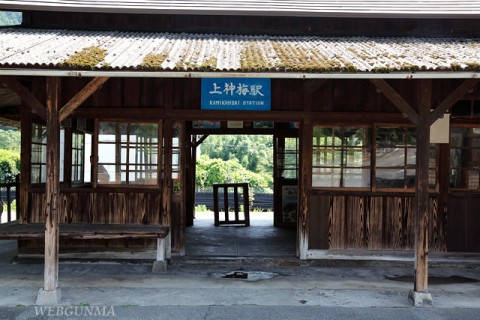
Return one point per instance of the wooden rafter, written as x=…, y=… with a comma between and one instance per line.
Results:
x=452, y=98
x=81, y=96
x=396, y=99
x=26, y=96
x=200, y=141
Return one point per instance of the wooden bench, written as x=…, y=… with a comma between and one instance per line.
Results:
x=16, y=231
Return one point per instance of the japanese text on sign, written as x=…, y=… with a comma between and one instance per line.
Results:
x=235, y=94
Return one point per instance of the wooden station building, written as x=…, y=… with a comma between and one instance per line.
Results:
x=382, y=100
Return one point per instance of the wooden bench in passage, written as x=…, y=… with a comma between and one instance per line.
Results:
x=26, y=231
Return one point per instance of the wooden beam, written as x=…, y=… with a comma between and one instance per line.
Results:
x=52, y=188
x=200, y=141
x=26, y=96
x=452, y=98
x=396, y=99
x=424, y=91
x=81, y=96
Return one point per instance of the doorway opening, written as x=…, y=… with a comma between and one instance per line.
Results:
x=268, y=163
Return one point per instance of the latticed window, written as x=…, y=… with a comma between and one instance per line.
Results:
x=465, y=158
x=341, y=157
x=39, y=154
x=128, y=153
x=78, y=157
x=395, y=159
x=344, y=157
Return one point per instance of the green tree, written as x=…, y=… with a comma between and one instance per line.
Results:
x=9, y=166
x=253, y=152
x=210, y=171
x=10, y=140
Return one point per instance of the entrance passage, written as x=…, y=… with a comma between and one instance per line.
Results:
x=260, y=222
x=260, y=239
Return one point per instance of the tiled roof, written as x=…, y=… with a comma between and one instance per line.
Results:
x=62, y=49
x=336, y=8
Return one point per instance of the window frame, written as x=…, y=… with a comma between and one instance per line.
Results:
x=343, y=167
x=96, y=143
x=461, y=167
x=373, y=163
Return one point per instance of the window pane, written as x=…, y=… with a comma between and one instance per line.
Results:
x=390, y=157
x=144, y=132
x=411, y=156
x=386, y=137
x=356, y=178
x=390, y=178
x=36, y=173
x=358, y=158
x=326, y=177
x=106, y=153
x=356, y=137
x=106, y=173
x=135, y=147
x=411, y=178
x=87, y=155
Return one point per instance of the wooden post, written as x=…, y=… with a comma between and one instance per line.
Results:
x=167, y=181
x=25, y=162
x=50, y=294
x=304, y=186
x=420, y=295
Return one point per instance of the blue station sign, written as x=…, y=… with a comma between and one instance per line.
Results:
x=236, y=94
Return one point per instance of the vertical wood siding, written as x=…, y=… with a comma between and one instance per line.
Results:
x=98, y=207
x=373, y=222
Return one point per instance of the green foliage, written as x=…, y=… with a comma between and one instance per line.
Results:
x=210, y=171
x=13, y=206
x=9, y=166
x=253, y=152
x=8, y=18
x=201, y=208
x=10, y=140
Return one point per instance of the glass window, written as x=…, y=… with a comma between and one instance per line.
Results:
x=128, y=153
x=465, y=158
x=395, y=159
x=287, y=158
x=39, y=154
x=395, y=156
x=176, y=168
x=78, y=157
x=341, y=157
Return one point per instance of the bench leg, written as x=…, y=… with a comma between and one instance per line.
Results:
x=160, y=264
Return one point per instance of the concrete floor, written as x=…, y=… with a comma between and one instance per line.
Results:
x=260, y=239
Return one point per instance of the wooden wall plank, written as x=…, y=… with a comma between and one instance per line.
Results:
x=374, y=239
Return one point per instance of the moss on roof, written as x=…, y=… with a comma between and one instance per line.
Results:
x=87, y=58
x=153, y=61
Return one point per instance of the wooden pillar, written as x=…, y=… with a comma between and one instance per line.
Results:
x=50, y=294
x=25, y=163
x=420, y=291
x=304, y=184
x=167, y=181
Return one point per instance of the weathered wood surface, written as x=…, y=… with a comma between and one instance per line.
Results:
x=129, y=207
x=372, y=222
x=84, y=231
x=326, y=26
x=424, y=102
x=81, y=96
x=52, y=185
